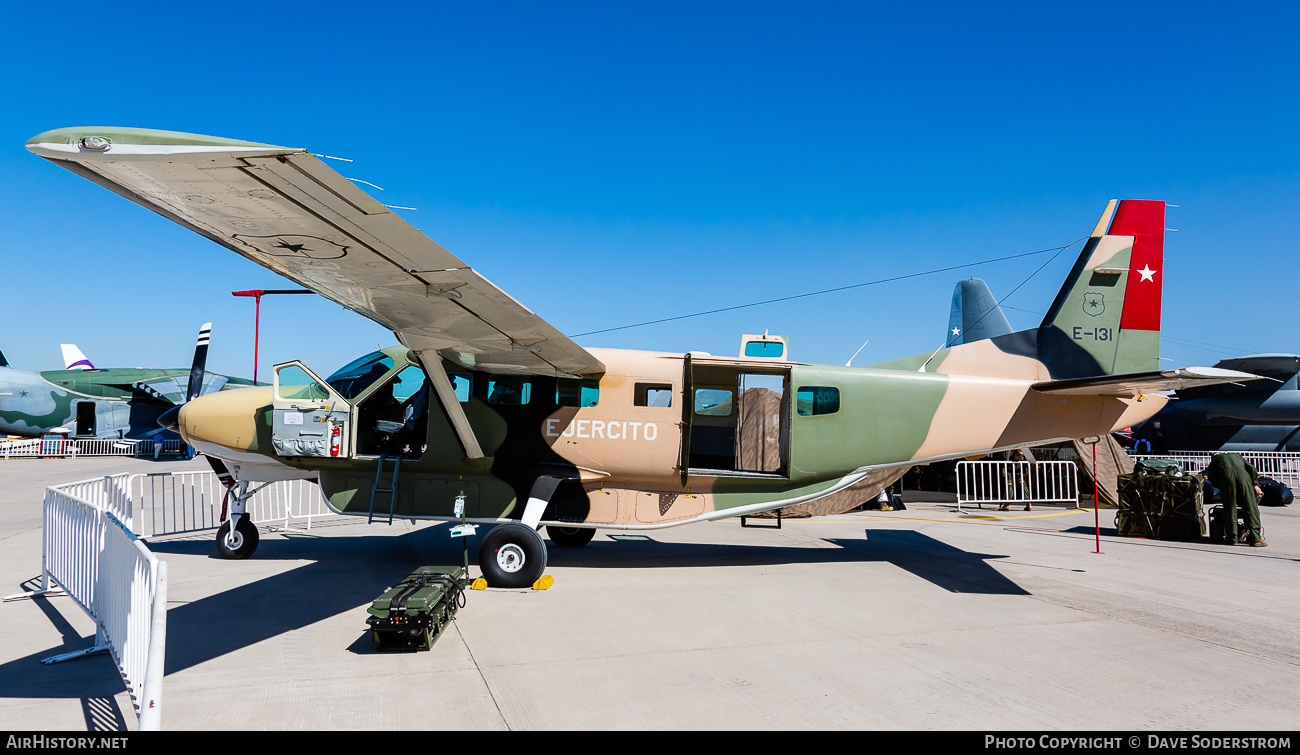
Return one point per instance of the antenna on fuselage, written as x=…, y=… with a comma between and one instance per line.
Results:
x=855, y=354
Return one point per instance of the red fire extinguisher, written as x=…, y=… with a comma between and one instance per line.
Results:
x=336, y=439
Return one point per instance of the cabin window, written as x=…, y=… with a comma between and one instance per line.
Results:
x=817, y=399
x=509, y=390
x=577, y=392
x=713, y=402
x=462, y=383
x=408, y=382
x=296, y=383
x=653, y=394
x=766, y=349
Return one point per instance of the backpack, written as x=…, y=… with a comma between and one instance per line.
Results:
x=1158, y=467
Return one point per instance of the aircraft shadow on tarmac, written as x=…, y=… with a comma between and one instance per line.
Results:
x=348, y=572
x=1092, y=530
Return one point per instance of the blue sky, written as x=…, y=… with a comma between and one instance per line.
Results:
x=612, y=163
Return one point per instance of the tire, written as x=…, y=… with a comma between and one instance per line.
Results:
x=245, y=539
x=512, y=555
x=570, y=537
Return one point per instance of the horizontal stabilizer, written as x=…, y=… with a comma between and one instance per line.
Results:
x=1277, y=366
x=1142, y=383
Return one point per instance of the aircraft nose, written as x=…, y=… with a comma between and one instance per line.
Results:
x=228, y=418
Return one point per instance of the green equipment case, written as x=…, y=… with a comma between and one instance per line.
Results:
x=1161, y=507
x=412, y=614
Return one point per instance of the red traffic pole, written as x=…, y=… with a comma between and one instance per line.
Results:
x=1096, y=497
x=257, y=294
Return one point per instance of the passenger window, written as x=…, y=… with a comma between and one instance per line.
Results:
x=462, y=383
x=711, y=402
x=577, y=392
x=509, y=390
x=653, y=394
x=817, y=399
x=294, y=382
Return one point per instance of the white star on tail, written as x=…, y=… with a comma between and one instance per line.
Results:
x=1147, y=273
x=956, y=331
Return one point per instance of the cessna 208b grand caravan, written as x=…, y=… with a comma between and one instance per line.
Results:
x=486, y=406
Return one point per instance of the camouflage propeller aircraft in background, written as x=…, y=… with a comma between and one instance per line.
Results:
x=487, y=404
x=84, y=401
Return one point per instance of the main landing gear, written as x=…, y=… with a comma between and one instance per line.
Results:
x=512, y=555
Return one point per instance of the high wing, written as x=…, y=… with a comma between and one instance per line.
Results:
x=287, y=211
x=1142, y=383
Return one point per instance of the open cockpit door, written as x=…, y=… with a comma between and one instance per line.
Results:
x=310, y=417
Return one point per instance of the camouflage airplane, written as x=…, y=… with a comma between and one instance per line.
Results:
x=487, y=406
x=88, y=402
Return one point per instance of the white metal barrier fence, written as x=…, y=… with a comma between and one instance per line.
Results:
x=169, y=503
x=1017, y=482
x=64, y=447
x=93, y=556
x=1283, y=466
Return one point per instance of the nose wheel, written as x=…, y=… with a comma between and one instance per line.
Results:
x=238, y=542
x=512, y=555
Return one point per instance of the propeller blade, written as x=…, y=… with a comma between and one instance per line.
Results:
x=169, y=420
x=219, y=467
x=200, y=362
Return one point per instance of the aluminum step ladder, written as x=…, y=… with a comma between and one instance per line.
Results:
x=391, y=490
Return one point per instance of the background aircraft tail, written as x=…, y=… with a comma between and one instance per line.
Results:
x=3, y=362
x=73, y=359
x=975, y=314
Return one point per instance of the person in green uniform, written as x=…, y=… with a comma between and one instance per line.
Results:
x=1235, y=478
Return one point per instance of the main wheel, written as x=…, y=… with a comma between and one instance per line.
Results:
x=238, y=544
x=570, y=537
x=512, y=555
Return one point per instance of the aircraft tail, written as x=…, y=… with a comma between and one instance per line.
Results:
x=1106, y=318
x=73, y=359
x=3, y=362
x=975, y=314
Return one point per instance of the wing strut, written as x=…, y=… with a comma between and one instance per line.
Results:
x=447, y=397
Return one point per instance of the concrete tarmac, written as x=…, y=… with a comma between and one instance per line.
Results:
x=919, y=619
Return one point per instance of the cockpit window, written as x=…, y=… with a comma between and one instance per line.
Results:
x=356, y=376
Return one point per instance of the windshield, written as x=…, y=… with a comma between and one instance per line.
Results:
x=356, y=376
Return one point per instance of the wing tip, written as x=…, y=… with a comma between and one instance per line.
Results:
x=92, y=140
